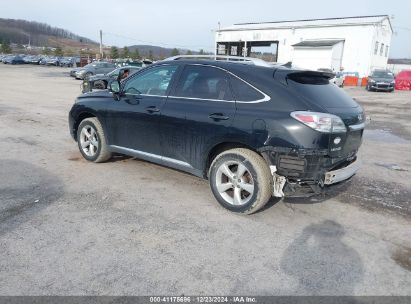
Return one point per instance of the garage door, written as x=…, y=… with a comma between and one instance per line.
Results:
x=312, y=58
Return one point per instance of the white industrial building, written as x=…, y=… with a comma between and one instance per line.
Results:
x=353, y=44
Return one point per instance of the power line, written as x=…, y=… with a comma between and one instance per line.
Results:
x=157, y=43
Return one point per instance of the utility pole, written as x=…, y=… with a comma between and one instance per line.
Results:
x=101, y=44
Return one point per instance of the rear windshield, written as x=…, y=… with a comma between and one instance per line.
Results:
x=325, y=94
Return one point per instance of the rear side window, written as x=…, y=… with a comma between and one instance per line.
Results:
x=243, y=91
x=203, y=82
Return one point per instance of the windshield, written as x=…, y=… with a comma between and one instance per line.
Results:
x=382, y=74
x=114, y=73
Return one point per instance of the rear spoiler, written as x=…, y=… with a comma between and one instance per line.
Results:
x=302, y=76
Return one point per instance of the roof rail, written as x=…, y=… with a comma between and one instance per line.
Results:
x=247, y=60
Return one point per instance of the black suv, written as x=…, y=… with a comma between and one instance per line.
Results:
x=252, y=129
x=381, y=80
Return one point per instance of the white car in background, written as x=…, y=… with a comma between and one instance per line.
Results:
x=338, y=78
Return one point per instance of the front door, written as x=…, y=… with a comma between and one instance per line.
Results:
x=134, y=120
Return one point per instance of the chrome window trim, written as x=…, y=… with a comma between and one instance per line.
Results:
x=203, y=99
x=150, y=95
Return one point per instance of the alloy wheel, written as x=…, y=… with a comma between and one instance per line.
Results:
x=89, y=140
x=235, y=183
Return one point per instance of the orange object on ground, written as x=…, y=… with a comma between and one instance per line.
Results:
x=364, y=81
x=351, y=81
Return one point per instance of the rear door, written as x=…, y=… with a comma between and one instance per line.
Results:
x=198, y=114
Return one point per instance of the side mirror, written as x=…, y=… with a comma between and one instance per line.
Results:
x=114, y=86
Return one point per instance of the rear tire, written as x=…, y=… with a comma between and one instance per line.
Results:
x=92, y=141
x=241, y=180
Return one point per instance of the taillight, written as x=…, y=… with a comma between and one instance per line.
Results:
x=322, y=122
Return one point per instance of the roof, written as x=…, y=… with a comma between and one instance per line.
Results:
x=317, y=43
x=340, y=21
x=399, y=61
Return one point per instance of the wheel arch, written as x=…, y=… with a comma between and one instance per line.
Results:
x=79, y=119
x=221, y=147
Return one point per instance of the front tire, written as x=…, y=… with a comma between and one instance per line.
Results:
x=240, y=180
x=92, y=141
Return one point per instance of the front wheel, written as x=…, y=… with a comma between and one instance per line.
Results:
x=240, y=180
x=92, y=141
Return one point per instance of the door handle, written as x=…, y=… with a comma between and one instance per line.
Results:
x=218, y=116
x=152, y=109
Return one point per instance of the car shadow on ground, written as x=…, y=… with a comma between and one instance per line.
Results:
x=321, y=262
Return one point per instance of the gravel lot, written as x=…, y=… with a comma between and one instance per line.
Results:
x=129, y=227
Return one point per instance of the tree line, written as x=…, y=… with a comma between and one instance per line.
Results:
x=21, y=31
x=125, y=53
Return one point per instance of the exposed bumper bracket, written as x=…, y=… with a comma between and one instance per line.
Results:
x=332, y=177
x=278, y=182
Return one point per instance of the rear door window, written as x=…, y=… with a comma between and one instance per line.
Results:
x=243, y=91
x=203, y=82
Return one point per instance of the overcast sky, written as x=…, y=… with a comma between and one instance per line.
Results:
x=190, y=23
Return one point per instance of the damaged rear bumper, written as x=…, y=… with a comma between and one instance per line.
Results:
x=306, y=173
x=339, y=175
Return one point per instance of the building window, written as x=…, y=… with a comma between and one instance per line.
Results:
x=376, y=48
x=221, y=49
x=382, y=49
x=386, y=51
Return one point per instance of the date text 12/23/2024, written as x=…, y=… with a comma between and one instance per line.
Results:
x=202, y=299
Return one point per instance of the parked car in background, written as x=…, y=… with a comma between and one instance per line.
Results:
x=35, y=59
x=13, y=59
x=69, y=61
x=381, y=80
x=100, y=81
x=137, y=63
x=27, y=59
x=53, y=61
x=98, y=67
x=43, y=60
x=253, y=130
x=337, y=78
x=403, y=80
